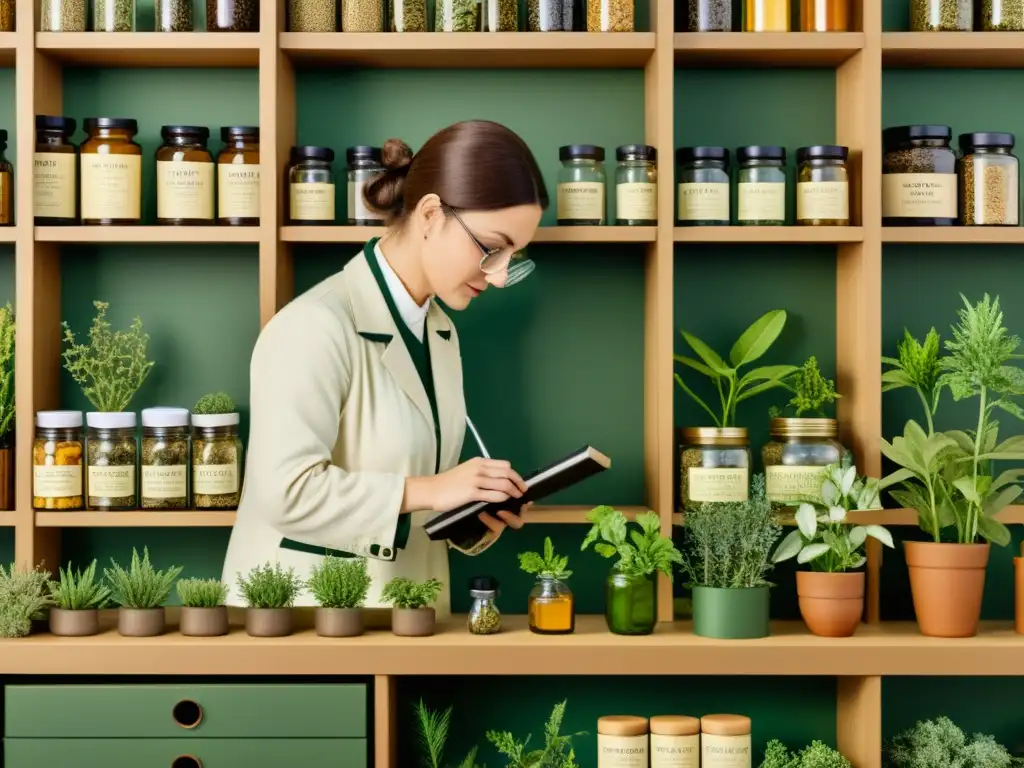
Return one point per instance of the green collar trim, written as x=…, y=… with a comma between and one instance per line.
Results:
x=384, y=338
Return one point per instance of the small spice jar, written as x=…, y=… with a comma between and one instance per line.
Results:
x=941, y=15
x=725, y=741
x=232, y=15
x=703, y=191
x=111, y=458
x=57, y=461
x=715, y=465
x=111, y=172
x=549, y=15
x=362, y=15
x=6, y=184
x=581, y=185
x=311, y=186
x=766, y=16
x=636, y=186
x=364, y=165
x=761, y=186
x=551, y=607
x=113, y=16
x=499, y=15
x=408, y=15
x=174, y=16
x=63, y=15
x=216, y=461
x=312, y=15
x=795, y=459
x=54, y=172
x=822, y=186
x=824, y=15
x=622, y=741
x=675, y=741
x=165, y=458
x=709, y=16
x=184, y=176
x=610, y=15
x=484, y=617
x=1002, y=16
x=919, y=186
x=989, y=180
x=238, y=177
x=456, y=15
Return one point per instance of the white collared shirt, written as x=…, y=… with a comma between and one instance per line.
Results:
x=414, y=315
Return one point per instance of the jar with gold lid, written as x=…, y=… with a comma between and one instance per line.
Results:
x=715, y=465
x=111, y=172
x=795, y=459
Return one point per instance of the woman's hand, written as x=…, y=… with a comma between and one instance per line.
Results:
x=504, y=520
x=487, y=480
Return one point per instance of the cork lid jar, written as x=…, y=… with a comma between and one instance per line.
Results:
x=622, y=725
x=675, y=725
x=725, y=725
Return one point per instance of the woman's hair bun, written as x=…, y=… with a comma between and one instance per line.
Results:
x=396, y=154
x=384, y=193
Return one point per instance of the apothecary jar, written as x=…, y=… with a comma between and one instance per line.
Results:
x=795, y=459
x=551, y=607
x=941, y=15
x=714, y=465
x=232, y=15
x=630, y=603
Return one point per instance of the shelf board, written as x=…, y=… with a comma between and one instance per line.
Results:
x=8, y=42
x=7, y=519
x=8, y=234
x=345, y=234
x=152, y=49
x=147, y=234
x=140, y=519
x=553, y=514
x=954, y=235
x=769, y=234
x=483, y=50
x=965, y=50
x=771, y=49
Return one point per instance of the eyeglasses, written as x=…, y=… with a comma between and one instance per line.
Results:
x=497, y=260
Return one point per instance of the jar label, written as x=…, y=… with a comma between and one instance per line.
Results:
x=636, y=200
x=238, y=191
x=215, y=479
x=57, y=481
x=675, y=751
x=111, y=186
x=164, y=482
x=718, y=484
x=621, y=751
x=703, y=202
x=112, y=482
x=724, y=751
x=919, y=195
x=761, y=201
x=184, y=190
x=54, y=185
x=829, y=200
x=357, y=207
x=784, y=483
x=581, y=200
x=312, y=201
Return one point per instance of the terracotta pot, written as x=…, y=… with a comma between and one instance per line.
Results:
x=831, y=604
x=203, y=622
x=269, y=622
x=1018, y=568
x=339, y=622
x=68, y=623
x=6, y=477
x=947, y=582
x=412, y=622
x=141, y=622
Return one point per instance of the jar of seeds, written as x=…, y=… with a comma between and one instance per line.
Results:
x=709, y=16
x=941, y=15
x=165, y=458
x=989, y=180
x=311, y=186
x=499, y=15
x=636, y=186
x=57, y=461
x=581, y=185
x=216, y=461
x=312, y=15
x=761, y=186
x=822, y=186
x=795, y=459
x=456, y=15
x=232, y=15
x=112, y=454
x=484, y=617
x=174, y=16
x=919, y=186
x=549, y=15
x=63, y=15
x=362, y=15
x=113, y=16
x=184, y=176
x=238, y=176
x=408, y=15
x=364, y=165
x=55, y=172
x=7, y=12
x=715, y=465
x=1002, y=16
x=703, y=191
x=610, y=16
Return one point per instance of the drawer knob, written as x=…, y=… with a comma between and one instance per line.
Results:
x=187, y=714
x=186, y=761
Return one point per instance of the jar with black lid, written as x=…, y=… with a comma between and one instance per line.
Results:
x=232, y=15
x=238, y=176
x=703, y=187
x=989, y=179
x=822, y=186
x=919, y=187
x=364, y=165
x=110, y=166
x=581, y=185
x=311, y=186
x=636, y=186
x=184, y=176
x=55, y=172
x=6, y=184
x=761, y=186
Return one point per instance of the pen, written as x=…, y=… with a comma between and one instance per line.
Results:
x=476, y=436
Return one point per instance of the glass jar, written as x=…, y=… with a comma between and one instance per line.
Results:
x=456, y=15
x=1001, y=16
x=311, y=186
x=111, y=172
x=6, y=184
x=703, y=187
x=761, y=186
x=549, y=15
x=238, y=177
x=499, y=15
x=184, y=176
x=63, y=15
x=54, y=172
x=989, y=180
x=714, y=465
x=484, y=616
x=362, y=15
x=57, y=461
x=941, y=15
x=363, y=167
x=630, y=603
x=312, y=15
x=796, y=457
x=551, y=607
x=165, y=454
x=408, y=15
x=112, y=455
x=766, y=16
x=824, y=15
x=822, y=186
x=174, y=16
x=581, y=185
x=610, y=16
x=709, y=16
x=232, y=15
x=216, y=461
x=113, y=16
x=919, y=186
x=636, y=185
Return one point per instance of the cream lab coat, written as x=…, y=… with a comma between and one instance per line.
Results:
x=339, y=419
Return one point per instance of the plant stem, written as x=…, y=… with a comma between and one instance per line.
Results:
x=927, y=412
x=975, y=509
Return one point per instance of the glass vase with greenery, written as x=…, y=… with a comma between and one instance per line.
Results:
x=551, y=605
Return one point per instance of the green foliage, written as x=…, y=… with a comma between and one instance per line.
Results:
x=112, y=366
x=269, y=586
x=733, y=388
x=557, y=751
x=141, y=586
x=811, y=391
x=79, y=590
x=23, y=597
x=432, y=737
x=646, y=551
x=406, y=593
x=776, y=755
x=339, y=582
x=917, y=366
x=202, y=593
x=547, y=564
x=940, y=743
x=7, y=333
x=817, y=755
x=215, y=402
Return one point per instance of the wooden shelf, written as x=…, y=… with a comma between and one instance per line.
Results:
x=139, y=519
x=954, y=235
x=8, y=234
x=345, y=234
x=7, y=519
x=8, y=43
x=147, y=234
x=152, y=49
x=793, y=235
x=767, y=49
x=969, y=50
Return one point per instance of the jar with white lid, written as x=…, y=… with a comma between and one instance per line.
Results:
x=57, y=461
x=164, y=464
x=111, y=458
x=622, y=741
x=725, y=741
x=675, y=741
x=216, y=461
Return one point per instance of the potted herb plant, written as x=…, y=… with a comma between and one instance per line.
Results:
x=831, y=593
x=269, y=591
x=23, y=599
x=947, y=477
x=817, y=755
x=940, y=743
x=77, y=600
x=551, y=606
x=339, y=586
x=411, y=613
x=726, y=560
x=203, y=613
x=141, y=592
x=631, y=586
x=7, y=331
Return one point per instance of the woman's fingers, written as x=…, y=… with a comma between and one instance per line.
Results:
x=497, y=526
x=511, y=519
x=503, y=484
x=502, y=469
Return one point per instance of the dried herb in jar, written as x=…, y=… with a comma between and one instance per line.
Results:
x=456, y=15
x=111, y=458
x=165, y=454
x=216, y=453
x=57, y=461
x=408, y=15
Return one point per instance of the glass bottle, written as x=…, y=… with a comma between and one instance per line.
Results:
x=761, y=186
x=766, y=16
x=636, y=185
x=362, y=15
x=311, y=186
x=941, y=15
x=164, y=463
x=715, y=465
x=111, y=172
x=484, y=616
x=216, y=461
x=55, y=172
x=824, y=15
x=704, y=191
x=456, y=15
x=363, y=167
x=499, y=15
x=6, y=184
x=312, y=15
x=549, y=15
x=989, y=179
x=184, y=176
x=112, y=455
x=795, y=459
x=238, y=177
x=581, y=185
x=551, y=607
x=174, y=16
x=610, y=15
x=919, y=184
x=1002, y=16
x=709, y=16
x=63, y=16
x=630, y=603
x=232, y=15
x=57, y=454
x=822, y=186
x=408, y=15
x=113, y=16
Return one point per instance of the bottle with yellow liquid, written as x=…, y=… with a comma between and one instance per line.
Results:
x=551, y=606
x=766, y=16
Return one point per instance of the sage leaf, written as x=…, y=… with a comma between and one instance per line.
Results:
x=994, y=531
x=880, y=533
x=806, y=520
x=789, y=548
x=811, y=552
x=756, y=340
x=708, y=355
x=858, y=535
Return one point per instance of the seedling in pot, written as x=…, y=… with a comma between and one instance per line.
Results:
x=77, y=599
x=203, y=612
x=202, y=593
x=411, y=614
x=141, y=592
x=269, y=591
x=339, y=586
x=23, y=598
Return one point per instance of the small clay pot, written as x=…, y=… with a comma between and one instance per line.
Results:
x=831, y=604
x=204, y=622
x=1018, y=568
x=141, y=622
x=339, y=622
x=68, y=623
x=412, y=622
x=269, y=622
x=947, y=582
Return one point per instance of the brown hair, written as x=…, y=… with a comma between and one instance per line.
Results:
x=475, y=165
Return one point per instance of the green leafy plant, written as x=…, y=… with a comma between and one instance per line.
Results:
x=141, y=586
x=79, y=590
x=432, y=735
x=917, y=366
x=406, y=593
x=23, y=596
x=557, y=751
x=733, y=388
x=7, y=333
x=338, y=582
x=645, y=552
x=940, y=743
x=547, y=564
x=269, y=586
x=202, y=593
x=215, y=402
x=817, y=755
x=811, y=391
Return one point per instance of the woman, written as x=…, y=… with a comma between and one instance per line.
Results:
x=357, y=409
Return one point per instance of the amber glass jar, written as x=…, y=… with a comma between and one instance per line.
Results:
x=824, y=15
x=6, y=185
x=766, y=16
x=111, y=170
x=55, y=172
x=551, y=606
x=184, y=176
x=238, y=177
x=796, y=457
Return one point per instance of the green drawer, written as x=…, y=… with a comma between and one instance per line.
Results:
x=174, y=753
x=187, y=710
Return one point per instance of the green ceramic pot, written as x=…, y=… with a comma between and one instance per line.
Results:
x=630, y=604
x=730, y=614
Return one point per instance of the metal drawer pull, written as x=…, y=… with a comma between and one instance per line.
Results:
x=187, y=714
x=186, y=761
